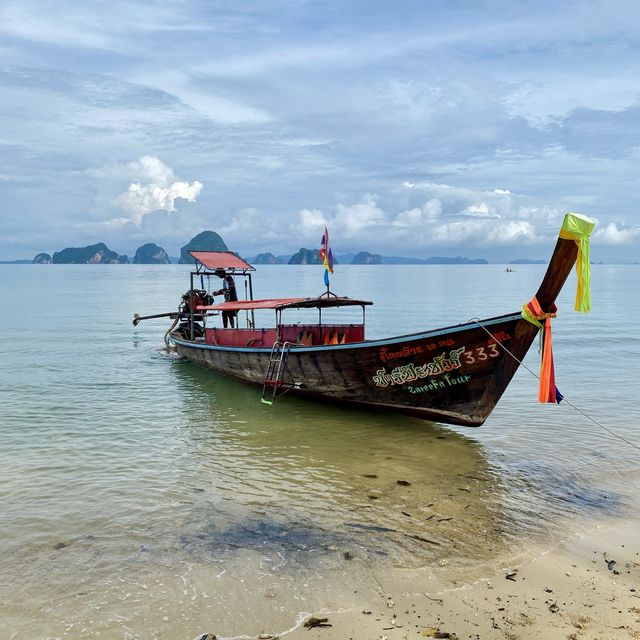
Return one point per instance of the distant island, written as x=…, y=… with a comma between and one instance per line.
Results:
x=205, y=241
x=267, y=258
x=307, y=256
x=364, y=257
x=91, y=254
x=151, y=253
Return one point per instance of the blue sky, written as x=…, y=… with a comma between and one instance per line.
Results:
x=413, y=128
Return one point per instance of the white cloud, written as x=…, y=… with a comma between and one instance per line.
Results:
x=615, y=236
x=222, y=109
x=447, y=192
x=157, y=189
x=104, y=225
x=311, y=222
x=458, y=216
x=87, y=26
x=415, y=230
x=430, y=211
x=542, y=102
x=249, y=223
x=28, y=24
x=484, y=233
x=481, y=210
x=355, y=217
x=510, y=233
x=305, y=142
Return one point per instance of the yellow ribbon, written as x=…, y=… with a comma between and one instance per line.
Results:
x=578, y=228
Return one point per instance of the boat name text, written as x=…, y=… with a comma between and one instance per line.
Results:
x=441, y=383
x=410, y=372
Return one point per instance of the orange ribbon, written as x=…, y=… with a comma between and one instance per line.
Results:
x=532, y=311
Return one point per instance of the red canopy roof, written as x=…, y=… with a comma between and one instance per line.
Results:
x=283, y=303
x=242, y=305
x=221, y=260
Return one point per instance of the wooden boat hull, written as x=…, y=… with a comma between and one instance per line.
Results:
x=454, y=375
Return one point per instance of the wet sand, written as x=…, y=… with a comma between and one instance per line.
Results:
x=587, y=586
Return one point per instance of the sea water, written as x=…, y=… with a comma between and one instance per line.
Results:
x=144, y=497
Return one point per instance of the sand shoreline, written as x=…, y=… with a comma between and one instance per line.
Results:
x=586, y=586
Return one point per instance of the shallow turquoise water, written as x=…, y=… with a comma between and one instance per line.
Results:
x=132, y=482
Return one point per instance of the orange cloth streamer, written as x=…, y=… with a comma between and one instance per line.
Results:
x=532, y=311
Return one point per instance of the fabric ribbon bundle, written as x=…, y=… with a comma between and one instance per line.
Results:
x=578, y=228
x=532, y=311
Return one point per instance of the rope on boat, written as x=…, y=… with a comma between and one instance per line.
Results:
x=573, y=406
x=169, y=330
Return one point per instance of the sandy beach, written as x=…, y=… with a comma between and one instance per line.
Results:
x=586, y=586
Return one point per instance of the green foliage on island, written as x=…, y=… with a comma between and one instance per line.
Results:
x=151, y=253
x=307, y=256
x=364, y=257
x=205, y=241
x=266, y=258
x=42, y=258
x=91, y=254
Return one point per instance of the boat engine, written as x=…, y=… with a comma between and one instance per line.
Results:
x=191, y=300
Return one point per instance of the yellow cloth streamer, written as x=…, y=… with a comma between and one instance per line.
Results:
x=578, y=228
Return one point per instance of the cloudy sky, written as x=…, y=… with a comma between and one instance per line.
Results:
x=413, y=128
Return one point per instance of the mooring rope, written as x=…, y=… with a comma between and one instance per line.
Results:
x=170, y=329
x=533, y=373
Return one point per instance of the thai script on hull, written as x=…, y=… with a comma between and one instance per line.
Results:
x=410, y=372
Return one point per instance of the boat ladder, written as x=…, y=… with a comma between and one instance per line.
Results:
x=275, y=372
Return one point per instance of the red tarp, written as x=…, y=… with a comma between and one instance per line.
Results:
x=221, y=260
x=247, y=305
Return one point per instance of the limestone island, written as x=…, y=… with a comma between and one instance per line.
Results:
x=91, y=254
x=151, y=253
x=205, y=241
x=42, y=258
x=307, y=256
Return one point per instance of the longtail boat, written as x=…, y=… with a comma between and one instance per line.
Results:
x=454, y=374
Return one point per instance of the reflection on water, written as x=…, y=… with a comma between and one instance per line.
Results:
x=388, y=485
x=332, y=467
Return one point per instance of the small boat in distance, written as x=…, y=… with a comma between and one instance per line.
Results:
x=454, y=374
